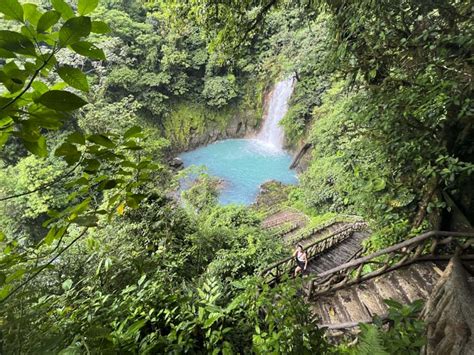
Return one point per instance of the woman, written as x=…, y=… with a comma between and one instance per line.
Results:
x=301, y=259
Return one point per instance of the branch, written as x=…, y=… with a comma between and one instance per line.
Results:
x=44, y=266
x=257, y=20
x=37, y=71
x=44, y=186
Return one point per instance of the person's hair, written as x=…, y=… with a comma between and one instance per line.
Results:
x=299, y=245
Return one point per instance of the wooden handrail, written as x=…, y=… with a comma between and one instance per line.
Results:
x=396, y=247
x=330, y=280
x=320, y=240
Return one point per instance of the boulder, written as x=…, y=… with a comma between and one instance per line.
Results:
x=176, y=163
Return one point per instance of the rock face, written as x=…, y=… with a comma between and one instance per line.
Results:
x=449, y=313
x=239, y=126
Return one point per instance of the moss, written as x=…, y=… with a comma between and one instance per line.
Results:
x=188, y=120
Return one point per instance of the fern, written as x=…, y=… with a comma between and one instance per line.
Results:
x=370, y=341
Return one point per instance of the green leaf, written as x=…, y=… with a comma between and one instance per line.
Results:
x=6, y=54
x=61, y=100
x=132, y=132
x=100, y=27
x=69, y=152
x=67, y=285
x=38, y=148
x=86, y=6
x=74, y=77
x=131, y=202
x=63, y=8
x=86, y=221
x=40, y=86
x=47, y=20
x=92, y=165
x=109, y=184
x=12, y=9
x=4, y=291
x=87, y=49
x=76, y=137
x=142, y=278
x=135, y=327
x=101, y=140
x=378, y=184
x=74, y=29
x=31, y=13
x=16, y=42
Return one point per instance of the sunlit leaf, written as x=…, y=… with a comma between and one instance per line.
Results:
x=132, y=132
x=12, y=9
x=100, y=27
x=74, y=29
x=85, y=7
x=31, y=13
x=47, y=20
x=66, y=285
x=38, y=148
x=74, y=77
x=62, y=7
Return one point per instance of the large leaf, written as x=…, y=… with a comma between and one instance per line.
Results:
x=100, y=27
x=135, y=327
x=76, y=137
x=47, y=20
x=31, y=13
x=74, y=29
x=63, y=8
x=12, y=8
x=61, y=100
x=86, y=6
x=101, y=140
x=87, y=49
x=74, y=77
x=132, y=132
x=6, y=54
x=38, y=148
x=16, y=42
x=69, y=152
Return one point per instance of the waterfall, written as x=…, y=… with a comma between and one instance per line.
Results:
x=272, y=133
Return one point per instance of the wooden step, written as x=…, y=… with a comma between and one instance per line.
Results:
x=371, y=299
x=361, y=302
x=353, y=307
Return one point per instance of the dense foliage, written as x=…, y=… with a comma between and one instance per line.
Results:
x=96, y=253
x=392, y=138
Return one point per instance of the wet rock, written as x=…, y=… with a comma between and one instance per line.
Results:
x=176, y=163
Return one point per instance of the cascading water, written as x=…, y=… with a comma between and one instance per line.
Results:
x=245, y=164
x=271, y=132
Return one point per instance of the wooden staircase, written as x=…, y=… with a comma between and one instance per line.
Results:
x=353, y=292
x=347, y=307
x=344, y=289
x=345, y=236
x=339, y=254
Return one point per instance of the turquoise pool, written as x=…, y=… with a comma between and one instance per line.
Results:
x=243, y=164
